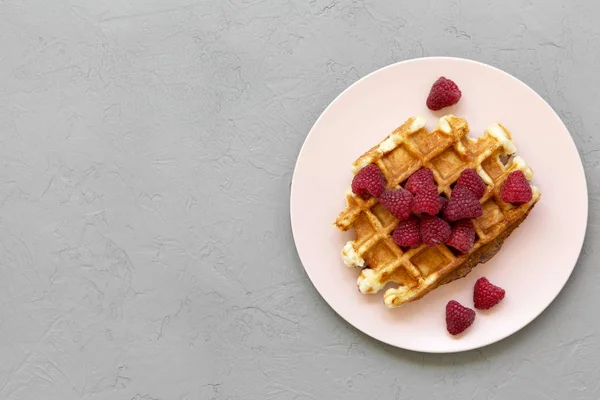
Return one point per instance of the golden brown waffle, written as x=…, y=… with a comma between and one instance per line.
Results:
x=447, y=151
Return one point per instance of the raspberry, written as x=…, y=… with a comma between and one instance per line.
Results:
x=434, y=230
x=463, y=236
x=458, y=317
x=471, y=180
x=427, y=201
x=444, y=203
x=444, y=93
x=486, y=295
x=368, y=181
x=407, y=233
x=420, y=179
x=463, y=205
x=516, y=189
x=397, y=202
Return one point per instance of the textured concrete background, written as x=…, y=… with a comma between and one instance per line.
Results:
x=146, y=153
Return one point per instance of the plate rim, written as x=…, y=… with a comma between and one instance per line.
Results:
x=580, y=240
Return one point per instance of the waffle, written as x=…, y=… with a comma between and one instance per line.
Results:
x=447, y=151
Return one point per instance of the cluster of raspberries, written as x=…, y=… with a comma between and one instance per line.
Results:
x=485, y=296
x=425, y=216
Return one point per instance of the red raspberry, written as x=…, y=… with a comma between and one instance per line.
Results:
x=486, y=295
x=434, y=230
x=368, y=181
x=463, y=205
x=427, y=201
x=407, y=233
x=516, y=189
x=397, y=202
x=463, y=236
x=458, y=317
x=444, y=203
x=471, y=180
x=444, y=93
x=420, y=179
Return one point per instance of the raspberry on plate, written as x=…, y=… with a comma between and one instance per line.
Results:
x=420, y=179
x=427, y=201
x=443, y=93
x=463, y=236
x=463, y=205
x=458, y=317
x=407, y=233
x=486, y=295
x=434, y=230
x=471, y=180
x=516, y=189
x=398, y=202
x=369, y=181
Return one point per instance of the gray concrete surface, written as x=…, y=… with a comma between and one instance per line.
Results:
x=146, y=153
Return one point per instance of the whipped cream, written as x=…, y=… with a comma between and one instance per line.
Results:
x=391, y=294
x=520, y=164
x=417, y=124
x=535, y=193
x=351, y=257
x=368, y=282
x=499, y=133
x=443, y=125
x=393, y=140
x=390, y=143
x=486, y=178
x=360, y=164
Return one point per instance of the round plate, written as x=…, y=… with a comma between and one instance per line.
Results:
x=541, y=253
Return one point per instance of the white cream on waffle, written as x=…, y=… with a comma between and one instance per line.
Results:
x=351, y=257
x=390, y=143
x=498, y=131
x=368, y=282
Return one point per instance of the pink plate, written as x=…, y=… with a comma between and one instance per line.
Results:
x=367, y=112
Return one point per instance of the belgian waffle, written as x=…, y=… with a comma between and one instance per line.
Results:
x=447, y=151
